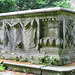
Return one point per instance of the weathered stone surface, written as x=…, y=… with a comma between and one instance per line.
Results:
x=38, y=32
x=21, y=67
x=40, y=70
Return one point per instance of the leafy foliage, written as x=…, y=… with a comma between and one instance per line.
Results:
x=48, y=60
x=62, y=3
x=2, y=68
x=15, y=5
x=7, y=5
x=30, y=4
x=64, y=60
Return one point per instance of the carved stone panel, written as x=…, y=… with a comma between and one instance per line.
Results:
x=19, y=34
x=69, y=36
x=74, y=34
x=49, y=32
x=30, y=35
x=12, y=34
x=1, y=34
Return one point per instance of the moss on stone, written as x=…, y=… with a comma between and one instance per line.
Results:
x=27, y=26
x=54, y=42
x=48, y=43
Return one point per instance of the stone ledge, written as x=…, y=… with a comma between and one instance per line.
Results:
x=31, y=68
x=39, y=69
x=23, y=65
x=37, y=11
x=59, y=68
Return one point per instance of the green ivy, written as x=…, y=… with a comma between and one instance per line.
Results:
x=46, y=60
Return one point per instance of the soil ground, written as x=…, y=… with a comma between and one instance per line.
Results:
x=11, y=61
x=6, y=72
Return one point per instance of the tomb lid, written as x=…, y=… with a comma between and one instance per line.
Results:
x=34, y=11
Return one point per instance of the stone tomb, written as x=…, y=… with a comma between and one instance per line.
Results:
x=39, y=32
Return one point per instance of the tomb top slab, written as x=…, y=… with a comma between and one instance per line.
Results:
x=34, y=11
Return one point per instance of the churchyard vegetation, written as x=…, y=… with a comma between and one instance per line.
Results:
x=19, y=5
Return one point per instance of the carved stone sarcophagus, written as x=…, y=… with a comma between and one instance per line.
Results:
x=49, y=31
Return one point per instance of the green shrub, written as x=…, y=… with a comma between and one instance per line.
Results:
x=48, y=60
x=31, y=61
x=16, y=58
x=2, y=68
x=23, y=60
x=1, y=57
x=64, y=60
